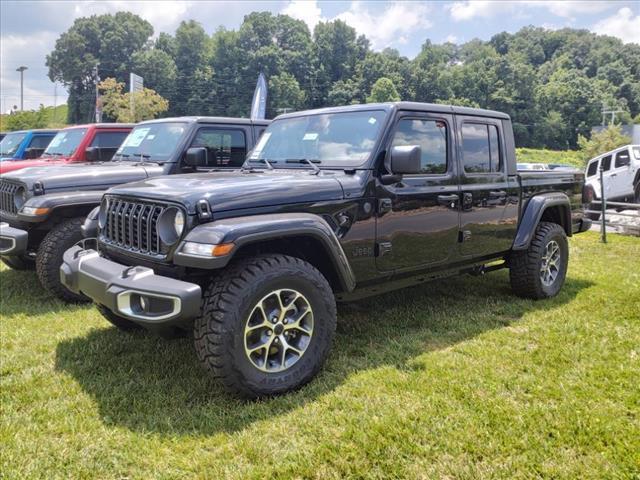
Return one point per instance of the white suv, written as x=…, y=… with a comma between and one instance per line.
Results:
x=621, y=174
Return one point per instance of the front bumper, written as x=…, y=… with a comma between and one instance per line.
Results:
x=13, y=241
x=135, y=293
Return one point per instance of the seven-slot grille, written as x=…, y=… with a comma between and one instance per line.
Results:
x=7, y=192
x=132, y=225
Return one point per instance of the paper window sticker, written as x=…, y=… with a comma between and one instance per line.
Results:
x=136, y=137
x=310, y=136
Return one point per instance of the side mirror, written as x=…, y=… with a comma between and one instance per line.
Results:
x=196, y=157
x=623, y=160
x=92, y=154
x=406, y=159
x=31, y=153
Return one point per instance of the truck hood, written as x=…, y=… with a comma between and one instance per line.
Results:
x=83, y=176
x=234, y=190
x=10, y=166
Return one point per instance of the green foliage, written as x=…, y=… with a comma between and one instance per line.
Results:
x=553, y=84
x=147, y=104
x=457, y=378
x=383, y=91
x=565, y=157
x=44, y=117
x=603, y=141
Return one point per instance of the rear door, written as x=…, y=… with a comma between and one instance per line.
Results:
x=621, y=176
x=489, y=199
x=417, y=219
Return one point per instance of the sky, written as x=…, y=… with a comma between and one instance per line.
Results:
x=29, y=29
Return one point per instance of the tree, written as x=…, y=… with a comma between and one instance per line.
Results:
x=383, y=91
x=285, y=93
x=147, y=104
x=158, y=70
x=25, y=120
x=105, y=40
x=603, y=141
x=192, y=47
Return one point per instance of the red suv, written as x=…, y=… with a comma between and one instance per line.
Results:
x=80, y=143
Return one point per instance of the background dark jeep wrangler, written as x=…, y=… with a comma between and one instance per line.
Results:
x=44, y=208
x=338, y=203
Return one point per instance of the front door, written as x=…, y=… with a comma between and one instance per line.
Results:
x=489, y=198
x=621, y=178
x=417, y=222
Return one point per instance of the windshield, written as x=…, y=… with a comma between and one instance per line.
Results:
x=65, y=142
x=155, y=141
x=10, y=143
x=331, y=139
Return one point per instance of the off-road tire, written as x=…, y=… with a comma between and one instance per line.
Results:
x=524, y=266
x=49, y=258
x=117, y=321
x=227, y=303
x=21, y=262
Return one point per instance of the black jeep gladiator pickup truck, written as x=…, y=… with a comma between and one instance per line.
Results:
x=331, y=204
x=42, y=209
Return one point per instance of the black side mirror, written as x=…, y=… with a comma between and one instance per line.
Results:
x=406, y=159
x=92, y=154
x=196, y=157
x=31, y=153
x=622, y=160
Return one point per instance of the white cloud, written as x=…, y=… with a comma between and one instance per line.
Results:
x=307, y=11
x=470, y=9
x=392, y=25
x=623, y=24
x=451, y=39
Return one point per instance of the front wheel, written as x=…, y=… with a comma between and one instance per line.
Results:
x=539, y=272
x=49, y=258
x=266, y=325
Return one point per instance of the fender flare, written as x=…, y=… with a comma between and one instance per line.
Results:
x=533, y=212
x=55, y=201
x=248, y=230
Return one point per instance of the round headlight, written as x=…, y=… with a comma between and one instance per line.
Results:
x=19, y=197
x=170, y=225
x=102, y=214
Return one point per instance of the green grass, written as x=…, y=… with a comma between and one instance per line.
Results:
x=455, y=379
x=567, y=157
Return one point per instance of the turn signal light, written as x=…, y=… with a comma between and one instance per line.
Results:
x=222, y=249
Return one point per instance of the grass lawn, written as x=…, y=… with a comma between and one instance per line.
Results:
x=455, y=379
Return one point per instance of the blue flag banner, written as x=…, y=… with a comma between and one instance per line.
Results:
x=259, y=102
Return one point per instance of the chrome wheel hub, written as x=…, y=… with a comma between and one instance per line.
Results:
x=550, y=265
x=278, y=330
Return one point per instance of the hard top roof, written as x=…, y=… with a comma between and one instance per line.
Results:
x=34, y=130
x=413, y=106
x=193, y=119
x=102, y=125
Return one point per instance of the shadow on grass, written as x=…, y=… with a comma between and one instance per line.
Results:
x=146, y=383
x=21, y=293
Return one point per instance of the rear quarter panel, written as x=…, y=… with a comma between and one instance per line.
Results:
x=568, y=182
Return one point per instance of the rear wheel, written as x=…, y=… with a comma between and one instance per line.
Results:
x=266, y=325
x=539, y=272
x=49, y=258
x=117, y=321
x=21, y=262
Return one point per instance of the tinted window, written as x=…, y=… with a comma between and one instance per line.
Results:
x=40, y=141
x=225, y=148
x=480, y=146
x=593, y=168
x=109, y=139
x=431, y=136
x=606, y=163
x=622, y=158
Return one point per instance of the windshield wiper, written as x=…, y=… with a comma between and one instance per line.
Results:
x=267, y=162
x=312, y=163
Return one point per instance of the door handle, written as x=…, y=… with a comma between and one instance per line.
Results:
x=499, y=194
x=614, y=175
x=447, y=199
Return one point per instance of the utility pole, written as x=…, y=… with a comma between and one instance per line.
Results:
x=21, y=69
x=98, y=105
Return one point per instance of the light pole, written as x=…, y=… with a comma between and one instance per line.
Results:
x=21, y=69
